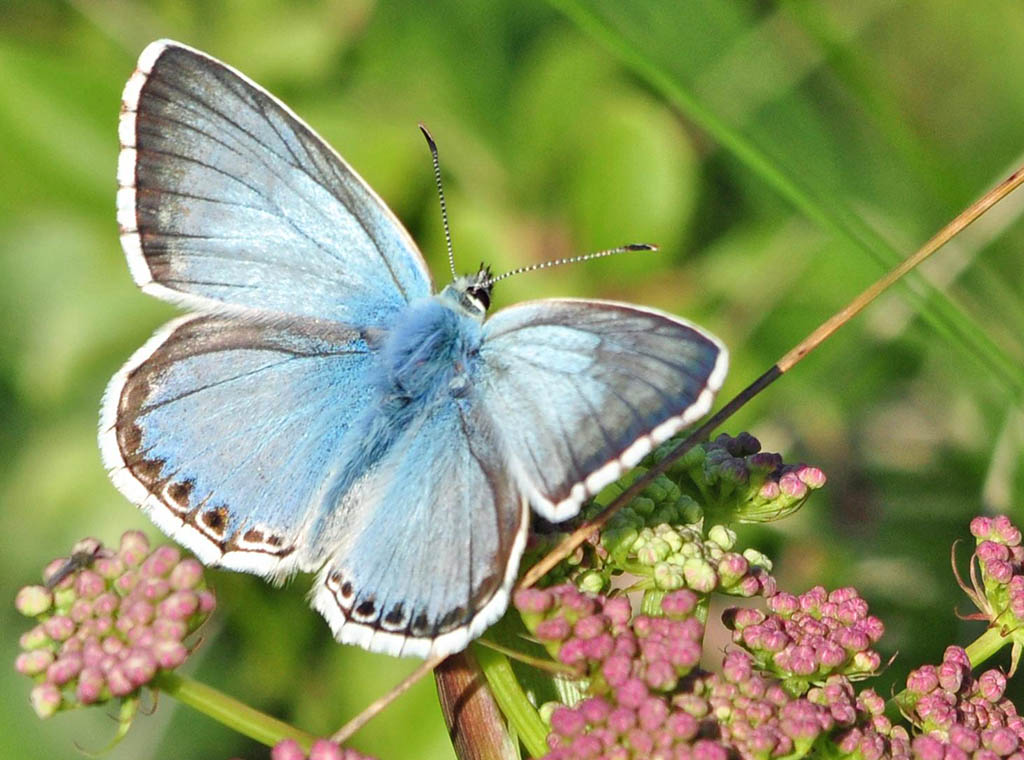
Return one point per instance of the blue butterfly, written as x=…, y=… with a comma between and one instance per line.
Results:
x=321, y=409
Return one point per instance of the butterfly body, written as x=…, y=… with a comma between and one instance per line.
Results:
x=433, y=347
x=322, y=409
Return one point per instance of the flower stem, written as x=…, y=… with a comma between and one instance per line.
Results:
x=512, y=700
x=229, y=711
x=986, y=645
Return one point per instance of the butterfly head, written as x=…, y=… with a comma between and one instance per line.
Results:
x=472, y=292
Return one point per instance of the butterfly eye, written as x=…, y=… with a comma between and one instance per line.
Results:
x=481, y=294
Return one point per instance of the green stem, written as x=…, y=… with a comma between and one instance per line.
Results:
x=986, y=645
x=229, y=711
x=549, y=666
x=650, y=604
x=512, y=700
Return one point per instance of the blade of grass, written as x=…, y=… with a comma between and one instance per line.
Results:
x=598, y=18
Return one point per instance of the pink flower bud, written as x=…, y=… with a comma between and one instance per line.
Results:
x=64, y=669
x=981, y=527
x=139, y=666
x=33, y=663
x=90, y=686
x=118, y=682
x=323, y=749
x=89, y=584
x=180, y=605
x=59, y=627
x=618, y=610
x=992, y=685
x=187, y=574
x=567, y=722
x=169, y=654
x=160, y=563
x=616, y=670
x=632, y=693
x=134, y=548
x=108, y=568
x=287, y=749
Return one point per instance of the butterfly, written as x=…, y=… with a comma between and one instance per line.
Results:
x=321, y=408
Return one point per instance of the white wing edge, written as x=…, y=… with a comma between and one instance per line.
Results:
x=615, y=467
x=397, y=645
x=127, y=219
x=205, y=547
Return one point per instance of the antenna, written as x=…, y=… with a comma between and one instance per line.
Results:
x=440, y=196
x=573, y=260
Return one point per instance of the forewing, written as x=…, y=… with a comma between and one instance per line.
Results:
x=225, y=432
x=431, y=539
x=226, y=197
x=585, y=389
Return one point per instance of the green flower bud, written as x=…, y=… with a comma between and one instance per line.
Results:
x=592, y=582
x=757, y=559
x=642, y=505
x=691, y=512
x=722, y=536
x=700, y=576
x=669, y=576
x=619, y=540
x=653, y=551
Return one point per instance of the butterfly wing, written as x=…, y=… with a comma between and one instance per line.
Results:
x=585, y=389
x=427, y=542
x=227, y=199
x=226, y=430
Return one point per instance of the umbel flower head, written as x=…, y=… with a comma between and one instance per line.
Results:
x=735, y=481
x=107, y=622
x=804, y=639
x=997, y=579
x=959, y=714
x=676, y=533
x=646, y=696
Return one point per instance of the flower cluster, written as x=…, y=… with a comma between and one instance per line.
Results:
x=631, y=665
x=322, y=749
x=108, y=622
x=646, y=696
x=675, y=556
x=734, y=481
x=960, y=715
x=758, y=717
x=675, y=533
x=804, y=639
x=1000, y=592
x=603, y=639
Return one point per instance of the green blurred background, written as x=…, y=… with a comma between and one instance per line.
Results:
x=781, y=154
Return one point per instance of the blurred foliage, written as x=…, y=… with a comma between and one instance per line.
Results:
x=563, y=128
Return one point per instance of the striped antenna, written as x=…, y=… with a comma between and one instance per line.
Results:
x=440, y=197
x=572, y=260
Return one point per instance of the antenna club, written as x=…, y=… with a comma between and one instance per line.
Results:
x=440, y=196
x=641, y=247
x=429, y=137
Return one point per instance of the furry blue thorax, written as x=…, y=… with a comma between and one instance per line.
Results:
x=431, y=345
